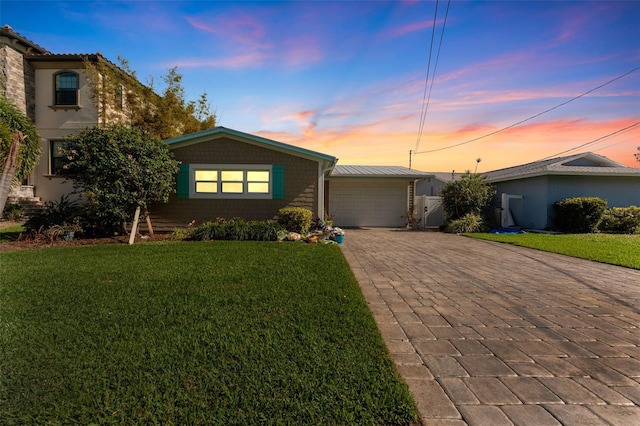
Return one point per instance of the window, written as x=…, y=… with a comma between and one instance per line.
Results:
x=58, y=160
x=66, y=88
x=206, y=181
x=231, y=181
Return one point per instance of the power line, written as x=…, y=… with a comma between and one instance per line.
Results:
x=624, y=129
x=433, y=76
x=532, y=117
x=423, y=112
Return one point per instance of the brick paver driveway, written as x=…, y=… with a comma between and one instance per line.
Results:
x=493, y=334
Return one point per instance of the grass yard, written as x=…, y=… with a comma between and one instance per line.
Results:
x=191, y=333
x=623, y=250
x=10, y=233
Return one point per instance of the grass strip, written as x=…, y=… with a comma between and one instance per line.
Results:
x=191, y=333
x=615, y=249
x=10, y=233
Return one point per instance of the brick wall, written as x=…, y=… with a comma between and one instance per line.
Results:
x=301, y=181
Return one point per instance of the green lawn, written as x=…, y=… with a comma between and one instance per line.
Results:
x=10, y=233
x=623, y=250
x=191, y=333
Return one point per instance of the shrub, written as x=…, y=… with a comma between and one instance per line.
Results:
x=621, y=220
x=237, y=229
x=118, y=169
x=579, y=215
x=56, y=213
x=470, y=222
x=469, y=194
x=295, y=219
x=12, y=211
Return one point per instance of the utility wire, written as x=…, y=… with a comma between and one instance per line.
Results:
x=624, y=129
x=423, y=112
x=532, y=117
x=433, y=76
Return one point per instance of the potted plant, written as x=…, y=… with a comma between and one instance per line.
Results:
x=69, y=229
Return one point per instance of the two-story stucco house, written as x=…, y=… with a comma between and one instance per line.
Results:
x=54, y=92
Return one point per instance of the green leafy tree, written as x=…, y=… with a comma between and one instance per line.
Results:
x=469, y=194
x=118, y=169
x=121, y=98
x=15, y=164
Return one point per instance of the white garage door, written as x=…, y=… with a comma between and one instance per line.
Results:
x=368, y=202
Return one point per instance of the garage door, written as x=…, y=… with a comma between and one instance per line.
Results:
x=370, y=202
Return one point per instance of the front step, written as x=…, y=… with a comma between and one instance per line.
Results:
x=30, y=206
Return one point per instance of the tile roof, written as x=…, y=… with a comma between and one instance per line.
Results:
x=586, y=163
x=378, y=171
x=7, y=31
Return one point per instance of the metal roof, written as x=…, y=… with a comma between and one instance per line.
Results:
x=586, y=163
x=377, y=172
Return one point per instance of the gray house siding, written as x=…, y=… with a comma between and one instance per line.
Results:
x=535, y=210
x=530, y=211
x=619, y=191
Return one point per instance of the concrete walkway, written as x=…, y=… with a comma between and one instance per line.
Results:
x=493, y=334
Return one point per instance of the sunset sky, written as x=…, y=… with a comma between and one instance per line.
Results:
x=349, y=78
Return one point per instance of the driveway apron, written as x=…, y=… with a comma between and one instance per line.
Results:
x=493, y=334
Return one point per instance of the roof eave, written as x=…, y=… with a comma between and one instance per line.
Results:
x=220, y=132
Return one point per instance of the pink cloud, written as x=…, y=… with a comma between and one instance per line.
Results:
x=243, y=29
x=408, y=28
x=253, y=59
x=246, y=33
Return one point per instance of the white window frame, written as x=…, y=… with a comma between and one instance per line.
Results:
x=244, y=168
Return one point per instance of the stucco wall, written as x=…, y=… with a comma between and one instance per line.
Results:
x=300, y=175
x=56, y=123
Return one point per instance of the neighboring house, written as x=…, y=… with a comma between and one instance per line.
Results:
x=226, y=173
x=53, y=91
x=372, y=195
x=431, y=186
x=528, y=192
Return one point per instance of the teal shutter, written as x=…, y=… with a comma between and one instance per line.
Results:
x=183, y=181
x=277, y=171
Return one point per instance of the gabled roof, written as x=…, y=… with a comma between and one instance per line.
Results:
x=223, y=132
x=585, y=164
x=377, y=172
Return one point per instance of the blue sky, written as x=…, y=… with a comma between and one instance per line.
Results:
x=349, y=78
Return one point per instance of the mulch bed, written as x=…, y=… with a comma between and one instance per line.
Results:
x=26, y=243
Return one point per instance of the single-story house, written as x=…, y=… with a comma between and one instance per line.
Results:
x=227, y=173
x=526, y=194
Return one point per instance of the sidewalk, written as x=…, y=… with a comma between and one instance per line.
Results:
x=492, y=334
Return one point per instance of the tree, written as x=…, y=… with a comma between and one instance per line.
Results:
x=119, y=169
x=469, y=194
x=19, y=147
x=637, y=155
x=121, y=98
